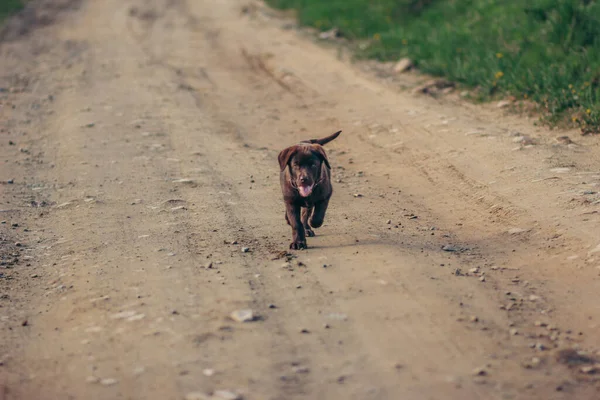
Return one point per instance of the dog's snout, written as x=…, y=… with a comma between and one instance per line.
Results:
x=303, y=179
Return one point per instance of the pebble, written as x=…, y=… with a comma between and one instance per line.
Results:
x=564, y=140
x=480, y=372
x=227, y=395
x=514, y=332
x=242, y=315
x=123, y=314
x=92, y=379
x=525, y=140
x=389, y=222
x=403, y=65
x=338, y=316
x=358, y=195
x=304, y=331
x=301, y=370
x=589, y=369
x=449, y=248
x=136, y=317
x=109, y=382
x=540, y=346
x=473, y=318
x=330, y=34
x=208, y=372
x=503, y=104
x=533, y=363
x=245, y=249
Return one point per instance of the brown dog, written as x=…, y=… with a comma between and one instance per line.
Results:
x=306, y=185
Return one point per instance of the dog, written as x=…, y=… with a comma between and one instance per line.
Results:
x=306, y=186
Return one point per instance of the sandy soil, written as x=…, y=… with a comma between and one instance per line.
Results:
x=459, y=258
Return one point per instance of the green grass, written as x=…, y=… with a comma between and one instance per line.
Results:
x=8, y=7
x=547, y=51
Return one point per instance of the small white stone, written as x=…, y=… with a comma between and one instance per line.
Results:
x=109, y=381
x=136, y=317
x=242, y=315
x=123, y=315
x=227, y=395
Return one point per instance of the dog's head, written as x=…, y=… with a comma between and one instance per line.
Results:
x=304, y=162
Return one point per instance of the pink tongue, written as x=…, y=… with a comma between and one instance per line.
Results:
x=305, y=191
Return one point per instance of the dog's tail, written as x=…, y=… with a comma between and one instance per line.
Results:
x=324, y=140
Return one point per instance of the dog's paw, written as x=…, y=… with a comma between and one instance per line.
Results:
x=316, y=223
x=309, y=232
x=298, y=245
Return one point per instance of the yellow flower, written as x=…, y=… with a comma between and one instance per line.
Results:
x=588, y=111
x=574, y=119
x=499, y=74
x=499, y=55
x=404, y=41
x=570, y=86
x=525, y=96
x=377, y=37
x=586, y=83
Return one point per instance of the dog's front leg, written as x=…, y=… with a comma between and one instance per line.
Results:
x=319, y=214
x=306, y=212
x=298, y=237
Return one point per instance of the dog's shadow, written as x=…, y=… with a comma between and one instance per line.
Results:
x=353, y=243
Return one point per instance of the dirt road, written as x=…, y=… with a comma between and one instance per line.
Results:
x=139, y=144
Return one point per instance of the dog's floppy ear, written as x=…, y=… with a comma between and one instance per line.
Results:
x=319, y=151
x=285, y=155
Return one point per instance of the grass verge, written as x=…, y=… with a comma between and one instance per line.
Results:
x=546, y=51
x=8, y=7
